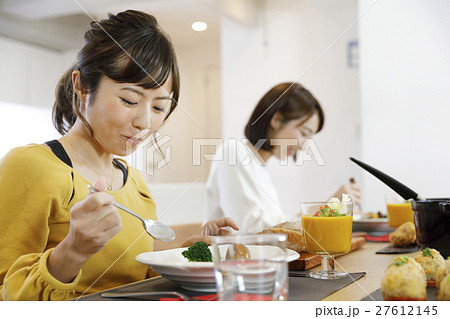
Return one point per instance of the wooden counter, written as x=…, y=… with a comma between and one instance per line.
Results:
x=363, y=259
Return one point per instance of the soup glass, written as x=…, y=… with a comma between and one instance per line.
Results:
x=399, y=211
x=327, y=229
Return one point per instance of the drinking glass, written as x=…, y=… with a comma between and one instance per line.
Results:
x=251, y=267
x=399, y=211
x=327, y=229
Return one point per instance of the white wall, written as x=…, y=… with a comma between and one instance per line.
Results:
x=197, y=114
x=179, y=203
x=28, y=77
x=297, y=33
x=29, y=73
x=24, y=124
x=405, y=101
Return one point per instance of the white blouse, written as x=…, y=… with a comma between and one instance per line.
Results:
x=240, y=187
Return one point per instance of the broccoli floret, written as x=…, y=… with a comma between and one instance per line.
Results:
x=198, y=252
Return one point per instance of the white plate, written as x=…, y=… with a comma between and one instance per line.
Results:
x=197, y=276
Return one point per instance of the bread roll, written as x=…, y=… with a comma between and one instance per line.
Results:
x=444, y=291
x=404, y=280
x=294, y=235
x=430, y=260
x=442, y=272
x=404, y=235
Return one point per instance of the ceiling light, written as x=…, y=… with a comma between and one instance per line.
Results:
x=199, y=26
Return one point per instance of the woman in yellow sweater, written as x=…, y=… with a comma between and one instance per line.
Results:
x=57, y=241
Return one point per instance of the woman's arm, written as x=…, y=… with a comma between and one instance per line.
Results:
x=94, y=221
x=212, y=228
x=183, y=231
x=29, y=197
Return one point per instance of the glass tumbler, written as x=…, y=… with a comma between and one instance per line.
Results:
x=251, y=267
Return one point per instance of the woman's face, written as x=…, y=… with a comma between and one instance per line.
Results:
x=124, y=114
x=288, y=138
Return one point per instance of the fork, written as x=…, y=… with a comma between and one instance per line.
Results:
x=175, y=294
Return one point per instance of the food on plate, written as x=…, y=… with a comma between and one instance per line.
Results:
x=430, y=260
x=329, y=230
x=238, y=252
x=442, y=272
x=370, y=215
x=399, y=213
x=404, y=279
x=444, y=291
x=293, y=232
x=404, y=235
x=198, y=252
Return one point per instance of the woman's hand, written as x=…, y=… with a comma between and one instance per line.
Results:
x=94, y=221
x=353, y=190
x=212, y=228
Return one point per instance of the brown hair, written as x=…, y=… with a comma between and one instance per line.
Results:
x=292, y=100
x=129, y=47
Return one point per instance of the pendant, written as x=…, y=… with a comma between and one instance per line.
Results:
x=110, y=187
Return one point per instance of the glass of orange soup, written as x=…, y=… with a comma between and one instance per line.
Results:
x=327, y=229
x=399, y=211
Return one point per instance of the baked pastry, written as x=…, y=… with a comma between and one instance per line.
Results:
x=404, y=279
x=444, y=291
x=430, y=260
x=294, y=234
x=404, y=235
x=442, y=272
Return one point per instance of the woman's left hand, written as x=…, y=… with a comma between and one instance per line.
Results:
x=212, y=228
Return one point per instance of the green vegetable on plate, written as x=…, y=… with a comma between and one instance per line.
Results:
x=198, y=252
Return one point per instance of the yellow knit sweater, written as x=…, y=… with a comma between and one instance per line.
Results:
x=35, y=192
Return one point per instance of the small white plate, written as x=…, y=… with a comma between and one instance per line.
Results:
x=196, y=276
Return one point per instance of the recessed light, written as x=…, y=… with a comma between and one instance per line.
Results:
x=199, y=26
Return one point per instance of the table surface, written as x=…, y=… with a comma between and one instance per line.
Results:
x=363, y=259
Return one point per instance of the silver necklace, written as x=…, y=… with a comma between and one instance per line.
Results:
x=109, y=188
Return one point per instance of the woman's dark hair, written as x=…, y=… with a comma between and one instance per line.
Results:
x=292, y=100
x=129, y=47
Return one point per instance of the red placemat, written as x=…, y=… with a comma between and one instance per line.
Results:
x=211, y=297
x=384, y=238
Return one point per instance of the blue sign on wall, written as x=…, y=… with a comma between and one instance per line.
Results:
x=353, y=54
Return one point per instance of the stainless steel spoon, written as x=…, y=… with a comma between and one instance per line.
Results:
x=154, y=228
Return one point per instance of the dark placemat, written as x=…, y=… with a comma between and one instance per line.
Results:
x=300, y=288
x=306, y=288
x=153, y=284
x=378, y=296
x=398, y=250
